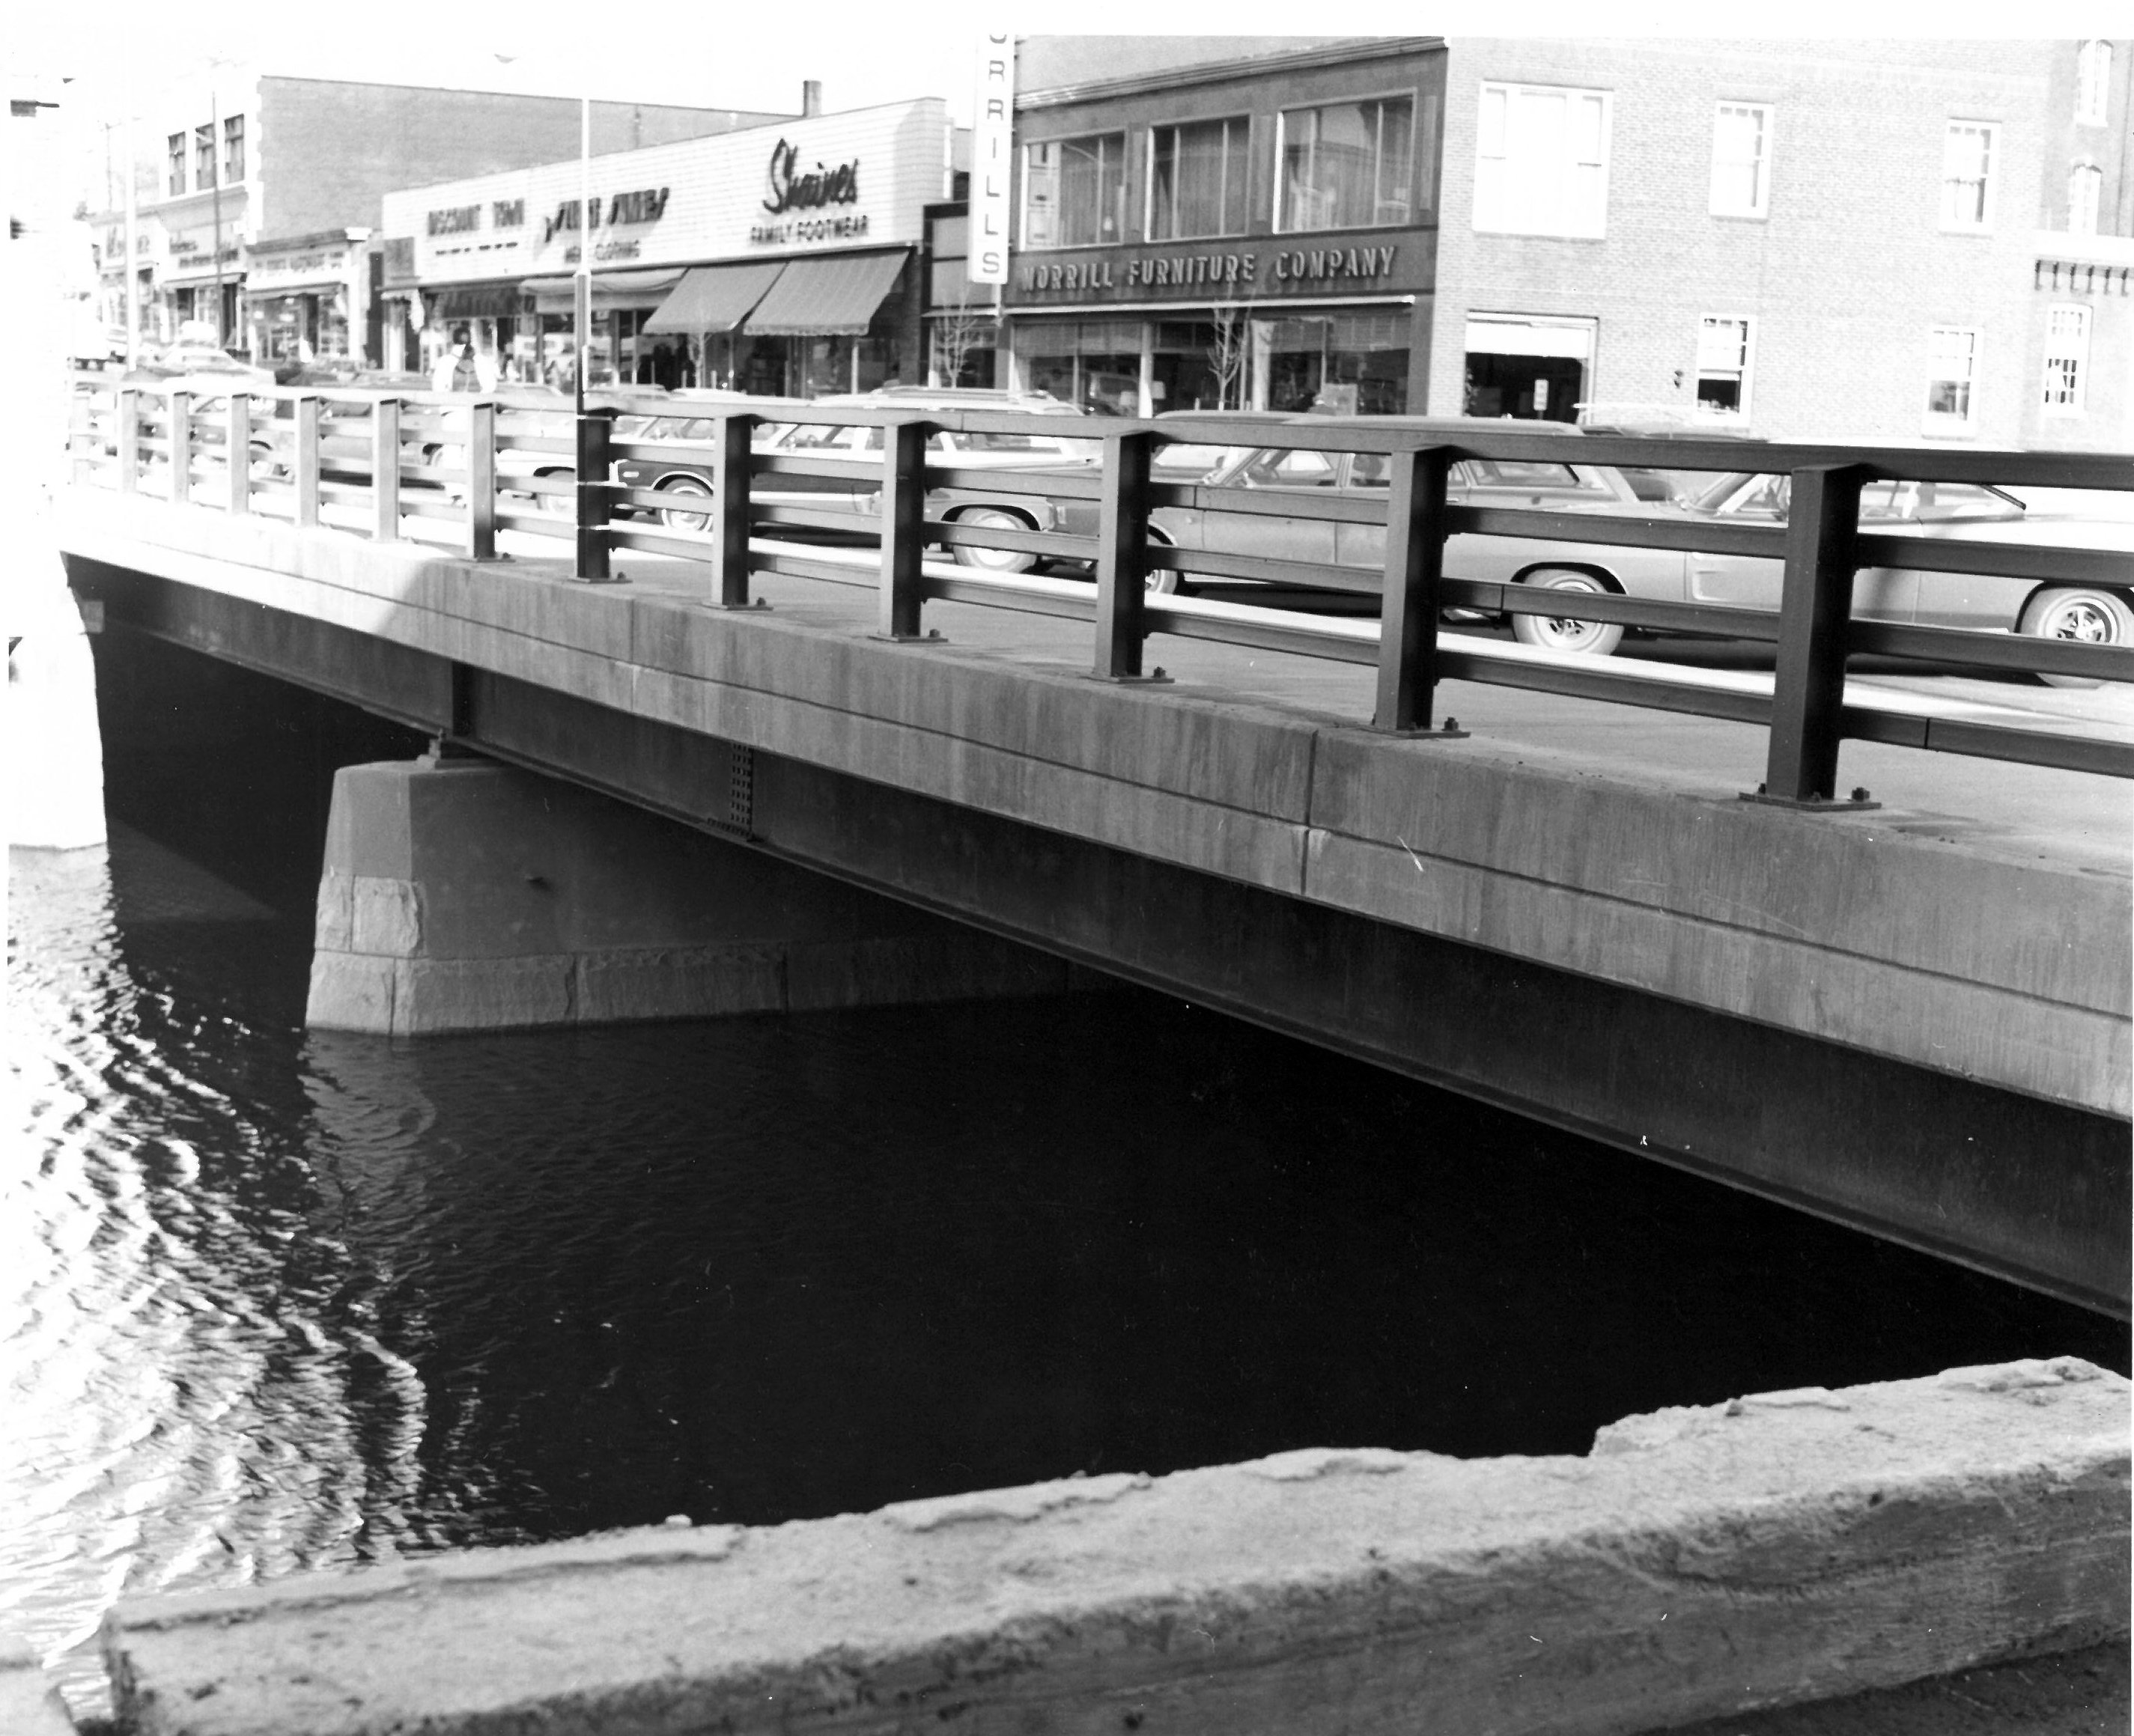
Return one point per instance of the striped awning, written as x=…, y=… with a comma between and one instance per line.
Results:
x=610, y=289
x=716, y=297
x=835, y=293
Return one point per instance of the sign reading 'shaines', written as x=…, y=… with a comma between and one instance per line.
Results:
x=793, y=188
x=812, y=183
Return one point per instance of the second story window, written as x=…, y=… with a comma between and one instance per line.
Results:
x=1197, y=180
x=1541, y=165
x=2093, y=83
x=2085, y=193
x=233, y=148
x=1348, y=166
x=1075, y=191
x=177, y=177
x=1740, y=160
x=203, y=157
x=1967, y=175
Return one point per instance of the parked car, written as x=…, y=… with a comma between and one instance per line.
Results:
x=686, y=480
x=1967, y=512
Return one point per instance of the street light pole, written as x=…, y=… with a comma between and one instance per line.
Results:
x=214, y=180
x=583, y=288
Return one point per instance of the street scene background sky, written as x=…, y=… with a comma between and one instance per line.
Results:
x=755, y=56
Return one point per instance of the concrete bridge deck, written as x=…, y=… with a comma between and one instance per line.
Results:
x=1914, y=1018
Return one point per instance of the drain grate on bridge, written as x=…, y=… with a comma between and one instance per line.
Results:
x=741, y=789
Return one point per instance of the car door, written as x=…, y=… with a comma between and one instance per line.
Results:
x=1755, y=582
x=1283, y=473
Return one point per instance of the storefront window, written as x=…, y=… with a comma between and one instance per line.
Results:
x=1353, y=364
x=1094, y=363
x=1193, y=367
x=1075, y=191
x=1348, y=165
x=1198, y=176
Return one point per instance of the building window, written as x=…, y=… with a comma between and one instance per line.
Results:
x=2093, y=87
x=1541, y=161
x=1951, y=370
x=233, y=148
x=1740, y=160
x=1967, y=175
x=177, y=164
x=1075, y=191
x=1722, y=367
x=2085, y=189
x=2067, y=359
x=1198, y=180
x=1348, y=166
x=203, y=157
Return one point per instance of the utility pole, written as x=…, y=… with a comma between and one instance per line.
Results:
x=214, y=180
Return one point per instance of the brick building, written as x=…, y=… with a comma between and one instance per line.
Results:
x=267, y=188
x=1911, y=239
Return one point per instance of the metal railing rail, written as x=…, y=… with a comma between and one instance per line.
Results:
x=456, y=472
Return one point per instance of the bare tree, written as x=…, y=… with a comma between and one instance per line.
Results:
x=957, y=332
x=1227, y=353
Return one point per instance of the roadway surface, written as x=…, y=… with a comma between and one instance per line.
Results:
x=2024, y=812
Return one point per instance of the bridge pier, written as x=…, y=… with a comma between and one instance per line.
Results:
x=460, y=894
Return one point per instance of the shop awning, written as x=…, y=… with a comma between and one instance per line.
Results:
x=836, y=293
x=477, y=301
x=716, y=297
x=610, y=289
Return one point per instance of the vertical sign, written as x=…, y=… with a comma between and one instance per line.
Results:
x=992, y=139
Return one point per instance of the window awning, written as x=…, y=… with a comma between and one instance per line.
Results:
x=610, y=289
x=478, y=300
x=835, y=293
x=716, y=297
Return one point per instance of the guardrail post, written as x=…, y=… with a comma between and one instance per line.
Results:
x=1407, y=615
x=1122, y=559
x=238, y=432
x=129, y=439
x=732, y=445
x=481, y=482
x=181, y=447
x=594, y=463
x=1807, y=695
x=903, y=529
x=385, y=469
x=306, y=456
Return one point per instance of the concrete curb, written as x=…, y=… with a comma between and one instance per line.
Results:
x=1775, y=1550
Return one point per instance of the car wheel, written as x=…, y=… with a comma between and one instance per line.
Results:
x=2089, y=616
x=1567, y=632
x=994, y=560
x=677, y=518
x=558, y=506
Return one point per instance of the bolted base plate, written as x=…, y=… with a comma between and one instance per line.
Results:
x=1813, y=804
x=931, y=636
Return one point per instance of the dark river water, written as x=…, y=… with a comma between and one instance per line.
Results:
x=273, y=1301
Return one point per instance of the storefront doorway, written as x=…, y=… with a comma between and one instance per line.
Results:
x=1532, y=370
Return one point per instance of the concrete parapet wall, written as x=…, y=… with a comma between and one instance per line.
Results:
x=1851, y=929
x=1775, y=1550
x=464, y=895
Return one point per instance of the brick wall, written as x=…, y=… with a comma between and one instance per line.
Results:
x=1844, y=276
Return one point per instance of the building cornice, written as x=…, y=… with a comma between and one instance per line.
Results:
x=1216, y=72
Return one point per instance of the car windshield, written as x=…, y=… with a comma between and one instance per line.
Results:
x=1284, y=467
x=978, y=443
x=1887, y=501
x=1192, y=460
